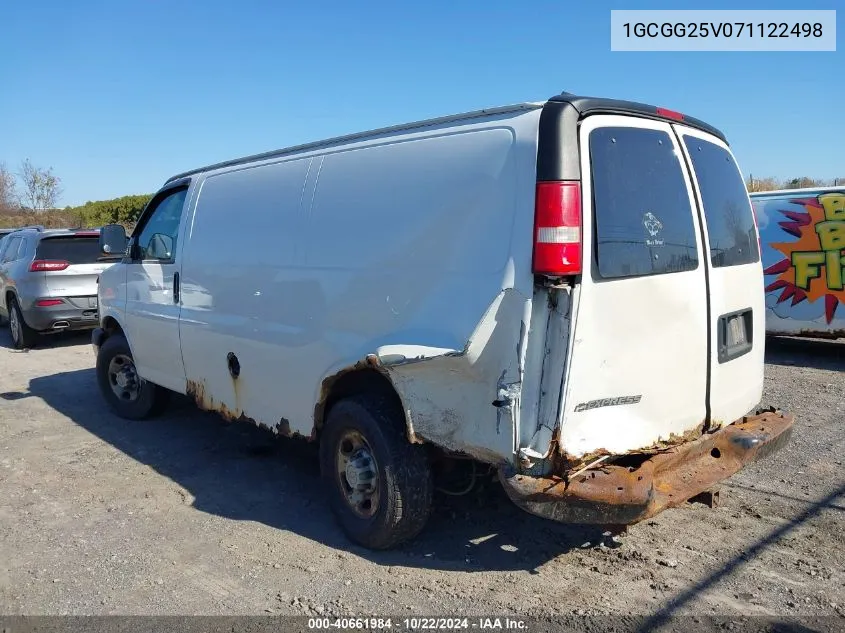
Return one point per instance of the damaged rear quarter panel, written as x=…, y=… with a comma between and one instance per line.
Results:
x=450, y=397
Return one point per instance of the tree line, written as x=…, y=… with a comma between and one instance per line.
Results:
x=30, y=188
x=756, y=185
x=30, y=196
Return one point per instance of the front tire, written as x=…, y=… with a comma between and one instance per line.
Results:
x=23, y=336
x=379, y=484
x=129, y=396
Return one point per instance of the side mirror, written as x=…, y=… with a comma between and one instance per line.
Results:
x=161, y=246
x=113, y=240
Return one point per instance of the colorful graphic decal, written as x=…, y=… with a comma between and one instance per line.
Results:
x=813, y=264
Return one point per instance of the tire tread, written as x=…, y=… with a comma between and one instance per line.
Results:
x=408, y=488
x=152, y=400
x=29, y=337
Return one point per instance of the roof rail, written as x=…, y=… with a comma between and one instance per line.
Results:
x=350, y=138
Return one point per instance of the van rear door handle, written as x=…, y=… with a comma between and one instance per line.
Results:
x=176, y=287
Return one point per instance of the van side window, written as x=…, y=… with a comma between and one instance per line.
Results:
x=643, y=217
x=157, y=240
x=730, y=222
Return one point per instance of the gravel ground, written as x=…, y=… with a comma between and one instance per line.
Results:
x=189, y=515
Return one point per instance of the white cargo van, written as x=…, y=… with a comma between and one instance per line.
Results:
x=570, y=291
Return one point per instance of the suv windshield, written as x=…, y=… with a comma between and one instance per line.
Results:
x=74, y=250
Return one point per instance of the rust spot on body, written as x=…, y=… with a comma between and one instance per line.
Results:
x=196, y=390
x=204, y=401
x=326, y=387
x=676, y=440
x=569, y=463
x=369, y=362
x=626, y=490
x=236, y=388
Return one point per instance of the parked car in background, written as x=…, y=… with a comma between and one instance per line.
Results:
x=803, y=240
x=563, y=290
x=3, y=234
x=48, y=281
x=7, y=231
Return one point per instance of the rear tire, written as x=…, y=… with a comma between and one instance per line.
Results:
x=129, y=396
x=370, y=430
x=23, y=336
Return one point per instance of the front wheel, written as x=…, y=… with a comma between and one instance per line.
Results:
x=129, y=395
x=379, y=484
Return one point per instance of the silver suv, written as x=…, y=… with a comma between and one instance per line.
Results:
x=48, y=281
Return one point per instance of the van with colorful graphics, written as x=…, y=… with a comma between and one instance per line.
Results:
x=803, y=245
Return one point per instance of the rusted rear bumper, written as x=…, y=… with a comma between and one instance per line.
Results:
x=614, y=494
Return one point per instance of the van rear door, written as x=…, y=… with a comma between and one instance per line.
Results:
x=639, y=353
x=735, y=278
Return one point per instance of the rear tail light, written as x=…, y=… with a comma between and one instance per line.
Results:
x=557, y=229
x=46, y=303
x=42, y=265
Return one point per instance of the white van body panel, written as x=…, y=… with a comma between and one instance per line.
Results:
x=736, y=386
x=111, y=296
x=253, y=303
x=637, y=337
x=406, y=246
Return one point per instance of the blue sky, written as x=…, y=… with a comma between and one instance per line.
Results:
x=117, y=96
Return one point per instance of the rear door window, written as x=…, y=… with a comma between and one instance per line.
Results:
x=730, y=221
x=74, y=250
x=642, y=213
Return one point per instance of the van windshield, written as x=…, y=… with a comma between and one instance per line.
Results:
x=727, y=210
x=74, y=250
